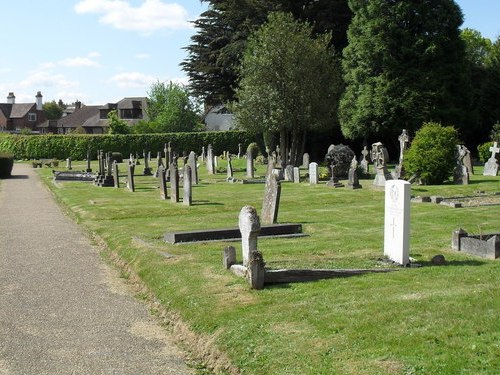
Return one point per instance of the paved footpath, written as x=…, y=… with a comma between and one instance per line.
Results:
x=62, y=310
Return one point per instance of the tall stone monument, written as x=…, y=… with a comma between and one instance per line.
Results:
x=380, y=158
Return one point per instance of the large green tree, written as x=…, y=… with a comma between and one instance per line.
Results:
x=404, y=65
x=170, y=109
x=290, y=83
x=52, y=110
x=216, y=49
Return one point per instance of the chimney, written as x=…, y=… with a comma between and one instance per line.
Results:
x=11, y=99
x=39, y=105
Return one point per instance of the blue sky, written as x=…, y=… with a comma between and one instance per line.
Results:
x=99, y=51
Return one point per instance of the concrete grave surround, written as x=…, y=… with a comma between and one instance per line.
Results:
x=313, y=173
x=397, y=221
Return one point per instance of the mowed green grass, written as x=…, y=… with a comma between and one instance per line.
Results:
x=428, y=320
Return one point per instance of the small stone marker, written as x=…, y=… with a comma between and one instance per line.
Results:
x=174, y=182
x=116, y=175
x=250, y=172
x=68, y=164
x=296, y=175
x=249, y=225
x=130, y=177
x=313, y=173
x=491, y=166
x=163, y=182
x=187, y=187
x=270, y=205
x=305, y=160
x=229, y=257
x=397, y=221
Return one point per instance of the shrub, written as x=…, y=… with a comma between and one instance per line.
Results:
x=485, y=153
x=6, y=164
x=340, y=156
x=431, y=155
x=117, y=156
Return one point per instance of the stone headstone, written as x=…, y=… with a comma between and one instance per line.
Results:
x=380, y=158
x=203, y=153
x=468, y=161
x=271, y=202
x=210, y=160
x=239, y=150
x=192, y=160
x=250, y=171
x=364, y=164
x=305, y=160
x=187, y=186
x=229, y=168
x=313, y=173
x=147, y=169
x=403, y=139
x=296, y=175
x=68, y=164
x=397, y=221
x=130, y=177
x=116, y=175
x=174, y=182
x=89, y=169
x=289, y=173
x=163, y=182
x=353, y=179
x=249, y=225
x=460, y=174
x=491, y=166
x=334, y=181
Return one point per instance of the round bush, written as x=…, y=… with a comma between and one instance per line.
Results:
x=431, y=155
x=6, y=164
x=340, y=156
x=117, y=156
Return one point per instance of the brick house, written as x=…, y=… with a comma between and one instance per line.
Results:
x=94, y=119
x=18, y=116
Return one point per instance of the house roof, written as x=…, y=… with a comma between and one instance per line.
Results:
x=84, y=116
x=131, y=103
x=16, y=110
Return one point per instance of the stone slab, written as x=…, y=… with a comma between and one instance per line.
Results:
x=231, y=233
x=73, y=176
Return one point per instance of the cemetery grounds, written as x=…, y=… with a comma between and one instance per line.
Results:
x=423, y=320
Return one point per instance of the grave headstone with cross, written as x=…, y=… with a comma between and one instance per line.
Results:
x=491, y=166
x=397, y=221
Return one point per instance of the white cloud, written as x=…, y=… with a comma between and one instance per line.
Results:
x=150, y=16
x=78, y=62
x=46, y=79
x=142, y=56
x=132, y=79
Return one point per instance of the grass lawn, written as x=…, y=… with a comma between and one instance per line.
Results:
x=428, y=320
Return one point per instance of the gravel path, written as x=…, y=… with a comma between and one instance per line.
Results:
x=62, y=310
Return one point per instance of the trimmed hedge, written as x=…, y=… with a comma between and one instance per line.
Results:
x=6, y=164
x=76, y=145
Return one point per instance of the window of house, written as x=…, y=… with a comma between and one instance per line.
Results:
x=131, y=113
x=31, y=116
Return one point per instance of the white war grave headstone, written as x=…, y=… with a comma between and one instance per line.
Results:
x=397, y=221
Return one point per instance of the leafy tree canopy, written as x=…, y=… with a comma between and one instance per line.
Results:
x=290, y=83
x=52, y=110
x=116, y=125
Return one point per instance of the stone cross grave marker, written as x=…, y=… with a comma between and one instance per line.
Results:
x=271, y=202
x=130, y=177
x=239, y=150
x=116, y=175
x=249, y=225
x=192, y=160
x=491, y=166
x=163, y=182
x=229, y=168
x=250, y=172
x=365, y=162
x=313, y=173
x=380, y=158
x=147, y=169
x=397, y=221
x=187, y=186
x=174, y=182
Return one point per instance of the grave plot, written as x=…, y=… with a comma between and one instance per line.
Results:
x=483, y=245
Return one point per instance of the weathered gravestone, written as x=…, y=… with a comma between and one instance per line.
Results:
x=460, y=174
x=229, y=169
x=467, y=160
x=130, y=177
x=305, y=160
x=192, y=160
x=353, y=180
x=397, y=221
x=116, y=175
x=249, y=225
x=187, y=186
x=313, y=173
x=270, y=204
x=89, y=169
x=163, y=182
x=491, y=166
x=147, y=169
x=365, y=162
x=210, y=160
x=250, y=171
x=239, y=150
x=289, y=173
x=296, y=175
x=174, y=182
x=403, y=139
x=380, y=157
x=68, y=164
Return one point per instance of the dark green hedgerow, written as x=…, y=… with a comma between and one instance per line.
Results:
x=76, y=146
x=6, y=164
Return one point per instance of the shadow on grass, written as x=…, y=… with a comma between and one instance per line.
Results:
x=454, y=263
x=16, y=177
x=206, y=203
